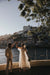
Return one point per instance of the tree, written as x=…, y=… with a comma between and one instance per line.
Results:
x=39, y=9
x=29, y=33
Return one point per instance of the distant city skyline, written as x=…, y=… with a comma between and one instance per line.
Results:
x=10, y=19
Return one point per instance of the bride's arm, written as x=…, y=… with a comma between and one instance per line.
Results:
x=17, y=46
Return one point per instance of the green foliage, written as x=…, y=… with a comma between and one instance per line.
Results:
x=28, y=19
x=39, y=10
x=23, y=13
x=21, y=6
x=29, y=33
x=31, y=9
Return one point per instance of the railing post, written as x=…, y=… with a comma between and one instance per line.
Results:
x=46, y=54
x=35, y=54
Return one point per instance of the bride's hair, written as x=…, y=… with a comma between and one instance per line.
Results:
x=22, y=44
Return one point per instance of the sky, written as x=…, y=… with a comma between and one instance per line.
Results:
x=10, y=19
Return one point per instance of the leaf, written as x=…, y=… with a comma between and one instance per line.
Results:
x=28, y=19
x=40, y=8
x=21, y=6
x=39, y=3
x=26, y=15
x=23, y=13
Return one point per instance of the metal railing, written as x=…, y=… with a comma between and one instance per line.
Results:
x=41, y=53
x=37, y=54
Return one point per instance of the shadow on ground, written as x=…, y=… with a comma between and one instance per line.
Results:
x=43, y=70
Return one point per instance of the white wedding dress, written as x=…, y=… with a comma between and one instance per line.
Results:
x=23, y=59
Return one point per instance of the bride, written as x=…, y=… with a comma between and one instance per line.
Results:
x=23, y=57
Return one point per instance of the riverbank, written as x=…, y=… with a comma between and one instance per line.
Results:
x=34, y=63
x=38, y=67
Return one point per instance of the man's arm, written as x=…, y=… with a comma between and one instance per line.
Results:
x=13, y=44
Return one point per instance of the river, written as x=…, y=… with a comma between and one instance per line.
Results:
x=15, y=53
x=39, y=54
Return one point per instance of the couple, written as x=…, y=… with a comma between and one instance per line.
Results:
x=23, y=56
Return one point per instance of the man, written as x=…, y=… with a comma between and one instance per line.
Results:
x=9, y=56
